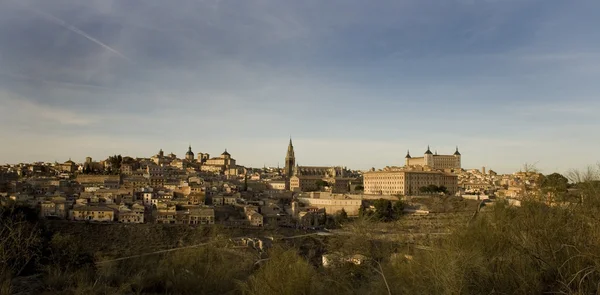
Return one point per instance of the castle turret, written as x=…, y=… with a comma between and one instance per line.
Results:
x=457, y=155
x=428, y=157
x=407, y=158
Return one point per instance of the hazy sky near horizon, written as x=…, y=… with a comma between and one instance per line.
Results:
x=354, y=82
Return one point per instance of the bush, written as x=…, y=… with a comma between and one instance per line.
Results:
x=284, y=273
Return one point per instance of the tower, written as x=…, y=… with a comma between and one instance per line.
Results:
x=457, y=156
x=428, y=158
x=407, y=158
x=290, y=160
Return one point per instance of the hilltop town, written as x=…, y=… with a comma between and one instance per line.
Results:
x=198, y=189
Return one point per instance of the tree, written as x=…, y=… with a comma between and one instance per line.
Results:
x=443, y=189
x=383, y=209
x=433, y=188
x=321, y=184
x=299, y=276
x=554, y=185
x=362, y=212
x=359, y=188
x=341, y=217
x=398, y=209
x=20, y=240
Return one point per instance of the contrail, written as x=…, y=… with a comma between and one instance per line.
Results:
x=74, y=29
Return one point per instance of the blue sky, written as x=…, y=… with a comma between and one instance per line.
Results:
x=356, y=83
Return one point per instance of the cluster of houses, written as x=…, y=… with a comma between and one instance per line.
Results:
x=180, y=196
x=487, y=182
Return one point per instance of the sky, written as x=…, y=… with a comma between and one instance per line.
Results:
x=355, y=83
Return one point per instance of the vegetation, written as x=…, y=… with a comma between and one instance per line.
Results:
x=385, y=210
x=321, y=184
x=533, y=249
x=433, y=189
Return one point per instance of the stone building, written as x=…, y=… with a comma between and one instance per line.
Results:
x=332, y=203
x=68, y=166
x=406, y=182
x=93, y=213
x=435, y=161
x=223, y=164
x=307, y=178
x=53, y=208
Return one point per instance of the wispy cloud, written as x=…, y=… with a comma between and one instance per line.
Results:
x=74, y=29
x=21, y=111
x=355, y=83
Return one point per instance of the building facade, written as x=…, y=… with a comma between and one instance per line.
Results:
x=222, y=164
x=331, y=203
x=309, y=178
x=406, y=182
x=93, y=213
x=435, y=161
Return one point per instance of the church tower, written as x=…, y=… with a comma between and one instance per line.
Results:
x=290, y=161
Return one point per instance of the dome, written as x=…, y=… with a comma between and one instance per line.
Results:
x=189, y=152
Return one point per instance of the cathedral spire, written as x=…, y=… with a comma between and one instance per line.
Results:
x=290, y=150
x=290, y=160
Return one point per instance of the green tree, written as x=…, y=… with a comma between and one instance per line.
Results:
x=321, y=184
x=341, y=217
x=383, y=209
x=398, y=209
x=432, y=188
x=443, y=189
x=555, y=185
x=284, y=273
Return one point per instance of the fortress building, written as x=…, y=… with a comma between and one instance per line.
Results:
x=434, y=161
x=406, y=182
